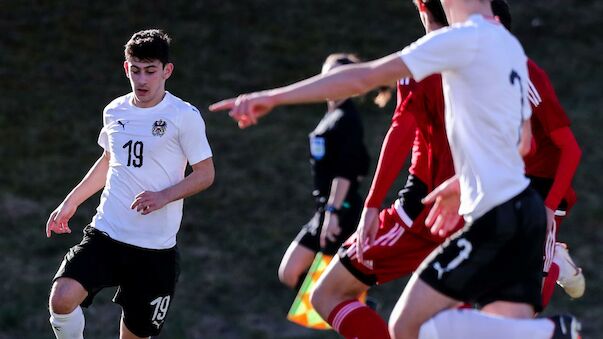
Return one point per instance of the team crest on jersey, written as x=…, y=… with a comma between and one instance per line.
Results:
x=159, y=127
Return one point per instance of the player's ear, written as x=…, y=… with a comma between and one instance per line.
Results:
x=167, y=70
x=126, y=69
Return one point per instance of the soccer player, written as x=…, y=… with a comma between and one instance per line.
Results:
x=551, y=166
x=148, y=136
x=497, y=259
x=339, y=161
x=402, y=240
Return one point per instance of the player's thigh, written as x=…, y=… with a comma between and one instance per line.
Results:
x=91, y=263
x=334, y=286
x=147, y=289
x=418, y=303
x=296, y=260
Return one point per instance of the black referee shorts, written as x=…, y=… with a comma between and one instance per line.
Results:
x=496, y=258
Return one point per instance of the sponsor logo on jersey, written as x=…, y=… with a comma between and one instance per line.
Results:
x=122, y=123
x=159, y=128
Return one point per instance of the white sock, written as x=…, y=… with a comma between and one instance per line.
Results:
x=68, y=326
x=465, y=323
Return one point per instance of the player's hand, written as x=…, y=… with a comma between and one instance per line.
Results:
x=247, y=108
x=443, y=216
x=330, y=229
x=147, y=202
x=367, y=230
x=550, y=222
x=58, y=222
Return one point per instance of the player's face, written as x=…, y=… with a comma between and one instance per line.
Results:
x=147, y=79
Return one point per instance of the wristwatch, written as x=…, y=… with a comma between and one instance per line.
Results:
x=332, y=209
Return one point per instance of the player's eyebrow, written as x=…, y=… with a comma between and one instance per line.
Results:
x=145, y=67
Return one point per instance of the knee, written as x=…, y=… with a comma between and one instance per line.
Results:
x=62, y=299
x=59, y=304
x=288, y=277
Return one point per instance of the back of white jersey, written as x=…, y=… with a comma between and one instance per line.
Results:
x=485, y=81
x=149, y=149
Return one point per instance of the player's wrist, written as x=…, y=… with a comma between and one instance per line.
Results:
x=332, y=209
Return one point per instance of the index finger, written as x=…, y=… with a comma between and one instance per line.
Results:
x=49, y=223
x=222, y=105
x=430, y=198
x=359, y=246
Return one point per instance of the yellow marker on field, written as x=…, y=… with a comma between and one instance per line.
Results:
x=302, y=312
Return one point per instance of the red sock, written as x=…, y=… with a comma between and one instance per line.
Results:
x=548, y=286
x=354, y=320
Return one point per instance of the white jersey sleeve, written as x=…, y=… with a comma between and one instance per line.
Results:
x=192, y=137
x=445, y=49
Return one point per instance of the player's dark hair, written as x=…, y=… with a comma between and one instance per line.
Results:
x=148, y=45
x=437, y=11
x=500, y=9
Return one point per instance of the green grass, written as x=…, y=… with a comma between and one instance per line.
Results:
x=60, y=63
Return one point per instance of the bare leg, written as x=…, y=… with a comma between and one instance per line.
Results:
x=412, y=310
x=509, y=309
x=335, y=286
x=66, y=317
x=295, y=262
x=66, y=295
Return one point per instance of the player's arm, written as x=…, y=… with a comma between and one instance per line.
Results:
x=341, y=82
x=330, y=228
x=553, y=118
x=569, y=160
x=525, y=143
x=394, y=150
x=198, y=180
x=95, y=179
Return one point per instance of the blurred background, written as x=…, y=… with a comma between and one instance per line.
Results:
x=61, y=63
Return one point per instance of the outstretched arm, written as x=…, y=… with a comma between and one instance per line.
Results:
x=201, y=178
x=58, y=222
x=341, y=82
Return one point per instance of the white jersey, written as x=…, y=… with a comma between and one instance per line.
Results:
x=149, y=149
x=485, y=81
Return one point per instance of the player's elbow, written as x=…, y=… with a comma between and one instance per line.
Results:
x=209, y=176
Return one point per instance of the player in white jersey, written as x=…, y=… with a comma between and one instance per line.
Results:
x=497, y=259
x=148, y=136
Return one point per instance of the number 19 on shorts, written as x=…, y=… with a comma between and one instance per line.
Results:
x=161, y=304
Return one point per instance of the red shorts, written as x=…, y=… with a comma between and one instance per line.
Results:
x=398, y=249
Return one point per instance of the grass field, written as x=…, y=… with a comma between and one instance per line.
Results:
x=60, y=64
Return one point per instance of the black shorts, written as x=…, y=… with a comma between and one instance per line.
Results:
x=309, y=235
x=146, y=278
x=496, y=258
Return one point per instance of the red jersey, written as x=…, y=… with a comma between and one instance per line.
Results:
x=396, y=145
x=418, y=121
x=432, y=160
x=555, y=153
